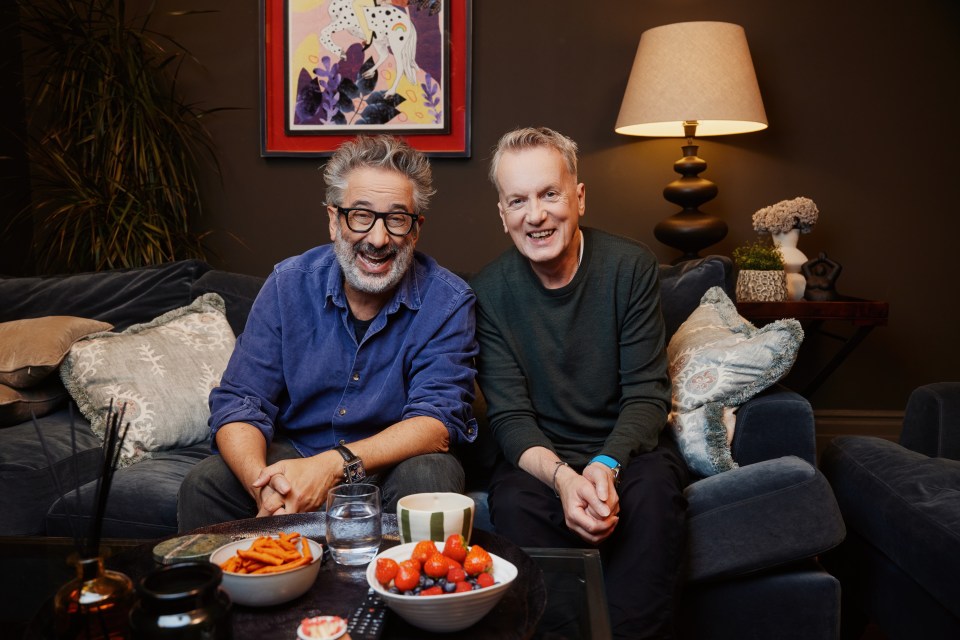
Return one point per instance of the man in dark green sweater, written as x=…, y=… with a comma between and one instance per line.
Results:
x=573, y=366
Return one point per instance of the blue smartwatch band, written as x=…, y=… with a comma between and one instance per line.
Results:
x=606, y=460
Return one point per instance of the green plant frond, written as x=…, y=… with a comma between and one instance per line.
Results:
x=116, y=162
x=758, y=255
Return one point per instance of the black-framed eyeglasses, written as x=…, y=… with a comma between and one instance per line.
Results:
x=360, y=220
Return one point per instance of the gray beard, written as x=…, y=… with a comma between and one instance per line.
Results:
x=375, y=284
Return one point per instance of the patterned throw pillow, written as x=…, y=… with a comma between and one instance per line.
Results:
x=161, y=371
x=719, y=360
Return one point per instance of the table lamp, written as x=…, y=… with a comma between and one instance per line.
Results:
x=687, y=79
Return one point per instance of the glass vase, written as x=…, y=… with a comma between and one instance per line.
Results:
x=95, y=604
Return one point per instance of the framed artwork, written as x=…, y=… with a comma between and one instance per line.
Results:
x=333, y=69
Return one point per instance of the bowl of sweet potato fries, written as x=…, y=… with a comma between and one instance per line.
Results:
x=268, y=570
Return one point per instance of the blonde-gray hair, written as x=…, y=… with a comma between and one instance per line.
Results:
x=531, y=137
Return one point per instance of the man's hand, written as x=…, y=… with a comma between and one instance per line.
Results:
x=605, y=484
x=587, y=514
x=297, y=485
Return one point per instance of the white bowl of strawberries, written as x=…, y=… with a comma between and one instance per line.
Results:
x=440, y=588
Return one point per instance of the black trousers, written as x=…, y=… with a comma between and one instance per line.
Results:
x=641, y=559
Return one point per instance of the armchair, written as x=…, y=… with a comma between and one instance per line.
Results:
x=900, y=563
x=754, y=532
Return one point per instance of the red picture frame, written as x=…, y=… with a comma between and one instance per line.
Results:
x=277, y=137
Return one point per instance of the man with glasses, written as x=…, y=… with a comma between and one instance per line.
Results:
x=356, y=361
x=573, y=367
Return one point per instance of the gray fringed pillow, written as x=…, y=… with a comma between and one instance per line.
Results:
x=719, y=360
x=162, y=371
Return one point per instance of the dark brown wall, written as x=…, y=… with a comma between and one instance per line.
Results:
x=861, y=98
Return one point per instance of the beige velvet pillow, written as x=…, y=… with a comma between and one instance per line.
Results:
x=16, y=404
x=30, y=350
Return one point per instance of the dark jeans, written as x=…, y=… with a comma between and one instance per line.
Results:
x=641, y=559
x=211, y=493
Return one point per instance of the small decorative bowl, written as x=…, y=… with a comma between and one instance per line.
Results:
x=449, y=611
x=322, y=628
x=268, y=589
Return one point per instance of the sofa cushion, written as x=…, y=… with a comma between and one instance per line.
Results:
x=159, y=373
x=17, y=405
x=32, y=349
x=905, y=504
x=717, y=361
x=682, y=286
x=237, y=290
x=29, y=487
x=154, y=482
x=759, y=516
x=122, y=297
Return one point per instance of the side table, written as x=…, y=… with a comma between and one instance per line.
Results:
x=818, y=317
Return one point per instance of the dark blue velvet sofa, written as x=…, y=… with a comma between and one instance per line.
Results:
x=754, y=532
x=900, y=564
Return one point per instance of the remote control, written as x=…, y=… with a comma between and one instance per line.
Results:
x=366, y=621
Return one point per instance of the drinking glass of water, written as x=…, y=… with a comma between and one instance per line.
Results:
x=353, y=523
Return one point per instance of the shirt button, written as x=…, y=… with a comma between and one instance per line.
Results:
x=356, y=376
x=342, y=412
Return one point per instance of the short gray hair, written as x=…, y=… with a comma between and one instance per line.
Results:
x=380, y=151
x=530, y=137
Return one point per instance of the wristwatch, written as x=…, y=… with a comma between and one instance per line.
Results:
x=609, y=462
x=353, y=470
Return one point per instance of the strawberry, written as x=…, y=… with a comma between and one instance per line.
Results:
x=386, y=570
x=485, y=580
x=456, y=574
x=455, y=547
x=423, y=550
x=432, y=591
x=408, y=575
x=477, y=561
x=435, y=566
x=463, y=586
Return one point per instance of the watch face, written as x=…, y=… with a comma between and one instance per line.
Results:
x=354, y=472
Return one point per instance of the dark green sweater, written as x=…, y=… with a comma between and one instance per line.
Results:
x=581, y=370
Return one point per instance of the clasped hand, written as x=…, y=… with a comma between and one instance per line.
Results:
x=295, y=485
x=591, y=505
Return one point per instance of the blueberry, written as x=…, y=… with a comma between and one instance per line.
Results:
x=449, y=587
x=441, y=582
x=393, y=589
x=428, y=582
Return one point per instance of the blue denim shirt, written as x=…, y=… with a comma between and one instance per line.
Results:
x=297, y=367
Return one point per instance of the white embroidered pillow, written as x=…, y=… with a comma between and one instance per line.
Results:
x=718, y=360
x=162, y=371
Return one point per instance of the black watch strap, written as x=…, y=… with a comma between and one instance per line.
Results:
x=346, y=453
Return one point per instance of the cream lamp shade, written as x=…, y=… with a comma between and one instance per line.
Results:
x=694, y=72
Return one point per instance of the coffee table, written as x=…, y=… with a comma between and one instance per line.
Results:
x=567, y=583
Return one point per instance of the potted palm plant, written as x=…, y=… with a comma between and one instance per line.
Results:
x=760, y=276
x=114, y=149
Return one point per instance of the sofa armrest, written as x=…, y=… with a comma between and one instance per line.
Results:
x=775, y=423
x=931, y=424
